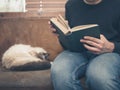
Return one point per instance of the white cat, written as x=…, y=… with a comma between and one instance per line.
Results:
x=20, y=54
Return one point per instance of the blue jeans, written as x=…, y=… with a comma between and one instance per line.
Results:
x=102, y=72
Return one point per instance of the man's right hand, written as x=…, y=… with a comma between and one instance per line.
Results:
x=52, y=29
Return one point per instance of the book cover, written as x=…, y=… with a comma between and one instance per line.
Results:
x=70, y=38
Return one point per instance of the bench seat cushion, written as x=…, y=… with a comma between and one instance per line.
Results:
x=28, y=80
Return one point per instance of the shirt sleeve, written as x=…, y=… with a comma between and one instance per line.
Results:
x=117, y=43
x=117, y=47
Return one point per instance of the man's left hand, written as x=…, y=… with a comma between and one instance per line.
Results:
x=97, y=46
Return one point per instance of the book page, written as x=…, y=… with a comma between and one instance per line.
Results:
x=63, y=21
x=59, y=25
x=82, y=27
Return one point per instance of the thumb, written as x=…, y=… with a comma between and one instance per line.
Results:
x=102, y=37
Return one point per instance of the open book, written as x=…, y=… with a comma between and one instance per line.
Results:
x=70, y=37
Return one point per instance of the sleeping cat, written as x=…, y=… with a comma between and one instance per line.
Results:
x=25, y=57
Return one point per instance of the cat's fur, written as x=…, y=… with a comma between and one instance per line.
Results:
x=20, y=54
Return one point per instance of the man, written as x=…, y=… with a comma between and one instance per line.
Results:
x=101, y=63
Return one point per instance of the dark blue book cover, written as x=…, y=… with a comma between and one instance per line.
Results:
x=71, y=39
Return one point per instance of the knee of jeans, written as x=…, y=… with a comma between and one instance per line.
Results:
x=95, y=74
x=97, y=77
x=103, y=66
x=99, y=73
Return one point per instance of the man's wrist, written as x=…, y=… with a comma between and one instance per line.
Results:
x=111, y=47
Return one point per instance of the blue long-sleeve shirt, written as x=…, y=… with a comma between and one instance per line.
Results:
x=106, y=14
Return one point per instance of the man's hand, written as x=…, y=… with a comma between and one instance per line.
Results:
x=53, y=30
x=97, y=46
